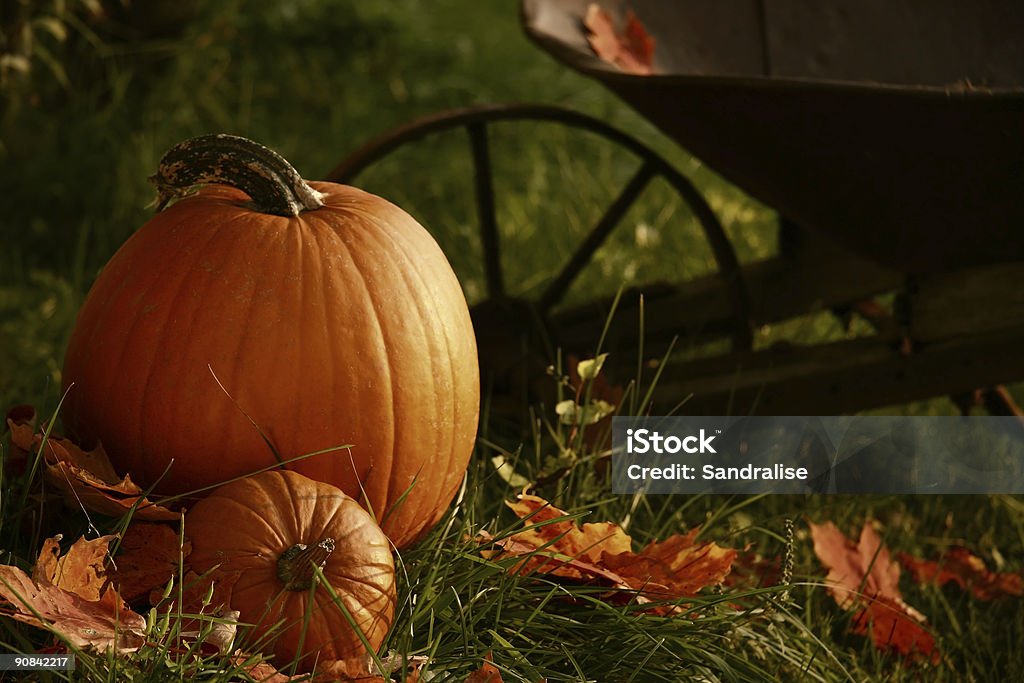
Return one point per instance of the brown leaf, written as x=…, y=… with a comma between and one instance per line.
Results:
x=753, y=570
x=45, y=568
x=892, y=628
x=86, y=478
x=83, y=570
x=586, y=543
x=70, y=469
x=487, y=673
x=674, y=568
x=147, y=558
x=632, y=49
x=967, y=570
x=18, y=418
x=222, y=634
x=356, y=669
x=261, y=671
x=104, y=624
x=864, y=577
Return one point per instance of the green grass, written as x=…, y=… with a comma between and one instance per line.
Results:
x=456, y=606
x=314, y=80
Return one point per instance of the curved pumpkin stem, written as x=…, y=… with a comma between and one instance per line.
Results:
x=273, y=184
x=295, y=566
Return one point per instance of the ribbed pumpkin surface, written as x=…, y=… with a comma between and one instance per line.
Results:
x=344, y=325
x=242, y=529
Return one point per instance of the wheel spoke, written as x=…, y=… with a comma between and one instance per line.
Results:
x=484, y=185
x=555, y=291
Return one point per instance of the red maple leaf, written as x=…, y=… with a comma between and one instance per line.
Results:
x=631, y=49
x=601, y=552
x=863, y=576
x=967, y=570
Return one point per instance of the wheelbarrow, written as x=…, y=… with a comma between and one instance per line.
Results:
x=888, y=137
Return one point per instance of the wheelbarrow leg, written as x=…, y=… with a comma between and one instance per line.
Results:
x=996, y=400
x=792, y=238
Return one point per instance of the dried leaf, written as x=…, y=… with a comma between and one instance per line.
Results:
x=508, y=473
x=104, y=624
x=676, y=567
x=45, y=568
x=632, y=49
x=602, y=552
x=87, y=486
x=487, y=673
x=752, y=570
x=393, y=664
x=356, y=669
x=588, y=370
x=147, y=558
x=83, y=570
x=571, y=413
x=222, y=634
x=18, y=420
x=864, y=577
x=967, y=570
x=563, y=536
x=87, y=478
x=261, y=671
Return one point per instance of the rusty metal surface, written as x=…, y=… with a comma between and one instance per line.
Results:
x=897, y=128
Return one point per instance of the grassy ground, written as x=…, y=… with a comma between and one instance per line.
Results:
x=314, y=79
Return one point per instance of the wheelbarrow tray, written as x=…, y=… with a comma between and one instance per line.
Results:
x=898, y=131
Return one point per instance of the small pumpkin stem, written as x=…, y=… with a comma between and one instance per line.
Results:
x=295, y=566
x=273, y=184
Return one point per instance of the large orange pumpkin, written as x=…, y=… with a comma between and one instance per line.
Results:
x=260, y=537
x=312, y=315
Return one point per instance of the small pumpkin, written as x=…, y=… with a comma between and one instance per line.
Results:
x=262, y=536
x=304, y=315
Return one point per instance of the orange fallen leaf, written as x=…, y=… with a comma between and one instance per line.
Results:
x=632, y=49
x=45, y=568
x=82, y=570
x=752, y=570
x=86, y=478
x=147, y=558
x=864, y=577
x=487, y=673
x=967, y=570
x=104, y=623
x=261, y=671
x=356, y=670
x=674, y=568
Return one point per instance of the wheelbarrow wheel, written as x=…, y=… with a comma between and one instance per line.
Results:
x=511, y=330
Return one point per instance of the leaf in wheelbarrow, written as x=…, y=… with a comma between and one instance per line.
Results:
x=54, y=598
x=632, y=49
x=87, y=478
x=862, y=576
x=602, y=553
x=967, y=570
